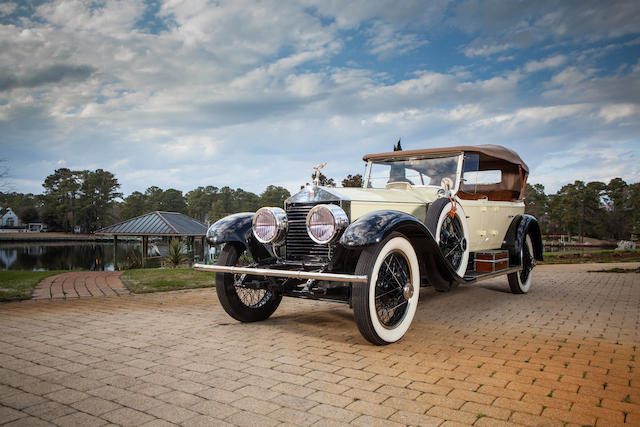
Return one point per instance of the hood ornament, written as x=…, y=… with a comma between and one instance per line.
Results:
x=316, y=179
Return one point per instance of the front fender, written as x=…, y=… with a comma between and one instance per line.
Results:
x=232, y=228
x=372, y=227
x=520, y=226
x=236, y=229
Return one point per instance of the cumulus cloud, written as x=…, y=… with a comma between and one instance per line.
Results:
x=505, y=26
x=8, y=8
x=197, y=92
x=60, y=73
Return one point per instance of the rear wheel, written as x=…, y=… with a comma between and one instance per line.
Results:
x=242, y=303
x=384, y=307
x=520, y=282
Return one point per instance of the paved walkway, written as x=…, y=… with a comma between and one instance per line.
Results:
x=564, y=354
x=80, y=284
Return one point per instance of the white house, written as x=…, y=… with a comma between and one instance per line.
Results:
x=8, y=218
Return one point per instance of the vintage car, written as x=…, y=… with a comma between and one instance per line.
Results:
x=437, y=217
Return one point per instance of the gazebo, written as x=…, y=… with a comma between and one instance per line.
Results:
x=155, y=224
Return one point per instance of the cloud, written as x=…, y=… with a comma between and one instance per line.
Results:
x=386, y=42
x=590, y=160
x=350, y=15
x=479, y=47
x=8, y=8
x=551, y=62
x=503, y=26
x=615, y=112
x=589, y=85
x=111, y=18
x=59, y=73
x=242, y=93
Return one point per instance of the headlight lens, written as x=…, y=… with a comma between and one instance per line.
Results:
x=326, y=222
x=270, y=225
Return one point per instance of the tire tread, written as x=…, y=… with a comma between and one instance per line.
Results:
x=229, y=298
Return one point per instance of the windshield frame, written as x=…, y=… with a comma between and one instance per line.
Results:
x=456, y=185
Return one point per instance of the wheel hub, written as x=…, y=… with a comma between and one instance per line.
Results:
x=407, y=291
x=532, y=262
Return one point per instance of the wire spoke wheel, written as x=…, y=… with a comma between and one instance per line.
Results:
x=520, y=282
x=452, y=241
x=253, y=298
x=447, y=222
x=528, y=262
x=385, y=305
x=393, y=276
x=243, y=302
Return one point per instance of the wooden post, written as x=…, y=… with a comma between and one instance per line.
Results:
x=145, y=242
x=204, y=252
x=115, y=252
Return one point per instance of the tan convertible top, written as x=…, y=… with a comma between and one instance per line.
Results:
x=487, y=150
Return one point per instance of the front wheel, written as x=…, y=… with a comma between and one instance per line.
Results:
x=242, y=303
x=520, y=282
x=385, y=305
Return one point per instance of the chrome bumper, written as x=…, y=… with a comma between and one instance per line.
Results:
x=294, y=274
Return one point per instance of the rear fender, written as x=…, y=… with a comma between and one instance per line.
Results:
x=520, y=226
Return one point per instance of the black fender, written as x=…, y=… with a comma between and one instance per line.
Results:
x=237, y=229
x=520, y=226
x=371, y=228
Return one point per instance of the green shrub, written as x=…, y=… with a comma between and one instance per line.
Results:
x=176, y=255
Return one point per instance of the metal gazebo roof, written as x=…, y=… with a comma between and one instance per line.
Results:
x=157, y=224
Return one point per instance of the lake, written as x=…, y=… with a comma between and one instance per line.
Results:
x=99, y=255
x=76, y=255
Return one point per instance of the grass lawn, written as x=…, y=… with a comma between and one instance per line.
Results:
x=18, y=285
x=600, y=256
x=166, y=279
x=617, y=270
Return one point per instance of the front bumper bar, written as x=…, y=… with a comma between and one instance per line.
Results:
x=294, y=274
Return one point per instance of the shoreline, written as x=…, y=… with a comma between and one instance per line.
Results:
x=51, y=237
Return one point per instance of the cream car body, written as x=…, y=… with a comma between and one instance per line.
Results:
x=438, y=217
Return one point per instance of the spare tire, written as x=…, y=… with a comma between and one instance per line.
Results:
x=451, y=233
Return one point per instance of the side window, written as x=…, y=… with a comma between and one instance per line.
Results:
x=483, y=177
x=469, y=173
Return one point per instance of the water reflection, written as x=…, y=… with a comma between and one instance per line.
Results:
x=549, y=248
x=96, y=256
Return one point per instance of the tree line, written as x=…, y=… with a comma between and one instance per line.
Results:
x=592, y=209
x=91, y=200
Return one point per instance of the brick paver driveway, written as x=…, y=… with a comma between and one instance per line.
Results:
x=566, y=353
x=80, y=284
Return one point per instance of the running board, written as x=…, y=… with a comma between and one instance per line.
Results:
x=484, y=276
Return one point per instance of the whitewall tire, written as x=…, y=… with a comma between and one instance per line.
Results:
x=384, y=307
x=520, y=282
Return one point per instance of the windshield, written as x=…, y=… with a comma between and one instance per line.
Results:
x=417, y=172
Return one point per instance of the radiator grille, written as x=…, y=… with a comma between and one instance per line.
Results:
x=299, y=245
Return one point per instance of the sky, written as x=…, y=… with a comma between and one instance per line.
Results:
x=187, y=93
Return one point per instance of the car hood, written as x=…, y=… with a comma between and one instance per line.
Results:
x=316, y=194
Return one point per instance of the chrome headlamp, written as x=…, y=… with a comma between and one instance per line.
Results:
x=326, y=222
x=270, y=225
